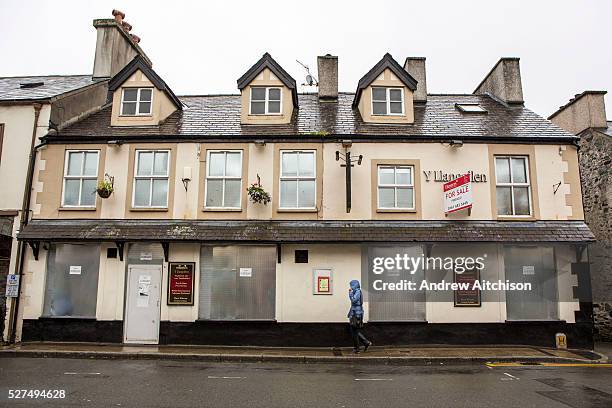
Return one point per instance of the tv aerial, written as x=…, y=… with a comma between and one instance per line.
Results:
x=310, y=79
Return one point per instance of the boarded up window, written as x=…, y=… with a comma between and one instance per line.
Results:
x=72, y=280
x=534, y=265
x=237, y=282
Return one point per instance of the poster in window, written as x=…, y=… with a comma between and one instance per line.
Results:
x=180, y=283
x=467, y=297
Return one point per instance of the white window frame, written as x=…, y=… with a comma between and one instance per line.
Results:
x=387, y=101
x=80, y=177
x=139, y=90
x=224, y=178
x=512, y=184
x=395, y=186
x=266, y=100
x=151, y=177
x=297, y=178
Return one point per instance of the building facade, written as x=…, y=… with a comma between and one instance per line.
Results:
x=30, y=107
x=240, y=219
x=585, y=116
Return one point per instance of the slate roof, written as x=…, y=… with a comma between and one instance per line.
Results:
x=306, y=231
x=218, y=117
x=54, y=85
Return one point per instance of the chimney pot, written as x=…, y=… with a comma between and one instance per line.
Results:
x=415, y=66
x=327, y=66
x=135, y=38
x=119, y=16
x=126, y=26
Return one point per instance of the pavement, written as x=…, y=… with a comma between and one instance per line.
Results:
x=413, y=355
x=72, y=382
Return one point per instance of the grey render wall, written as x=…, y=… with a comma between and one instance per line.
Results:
x=78, y=104
x=595, y=155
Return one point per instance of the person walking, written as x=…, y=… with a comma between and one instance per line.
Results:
x=355, y=316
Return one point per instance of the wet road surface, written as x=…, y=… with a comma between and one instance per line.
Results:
x=132, y=383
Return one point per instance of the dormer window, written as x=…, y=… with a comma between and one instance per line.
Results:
x=136, y=101
x=265, y=101
x=387, y=101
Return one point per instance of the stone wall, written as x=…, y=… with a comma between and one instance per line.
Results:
x=595, y=156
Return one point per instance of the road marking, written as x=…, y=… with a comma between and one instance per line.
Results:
x=373, y=379
x=73, y=373
x=225, y=378
x=603, y=365
x=511, y=376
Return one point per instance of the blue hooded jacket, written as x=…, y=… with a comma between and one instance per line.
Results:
x=356, y=300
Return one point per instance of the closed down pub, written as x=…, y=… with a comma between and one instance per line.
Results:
x=240, y=219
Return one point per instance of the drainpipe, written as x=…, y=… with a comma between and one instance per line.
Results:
x=25, y=215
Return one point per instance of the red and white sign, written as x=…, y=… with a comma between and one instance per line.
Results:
x=458, y=194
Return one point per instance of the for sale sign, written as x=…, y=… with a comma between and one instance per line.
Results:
x=458, y=194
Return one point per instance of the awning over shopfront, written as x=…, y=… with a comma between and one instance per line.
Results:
x=305, y=231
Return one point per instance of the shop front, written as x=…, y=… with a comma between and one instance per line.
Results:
x=243, y=288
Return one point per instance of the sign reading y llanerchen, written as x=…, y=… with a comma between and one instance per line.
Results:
x=458, y=194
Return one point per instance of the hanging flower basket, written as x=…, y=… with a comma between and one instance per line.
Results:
x=106, y=187
x=257, y=194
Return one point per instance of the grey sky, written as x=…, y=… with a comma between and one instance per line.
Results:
x=202, y=47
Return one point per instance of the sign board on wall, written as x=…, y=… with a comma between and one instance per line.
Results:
x=180, y=283
x=467, y=297
x=322, y=281
x=458, y=194
x=12, y=286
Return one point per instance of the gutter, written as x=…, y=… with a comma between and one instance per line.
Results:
x=25, y=215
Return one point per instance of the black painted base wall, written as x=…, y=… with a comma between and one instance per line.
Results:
x=85, y=330
x=580, y=335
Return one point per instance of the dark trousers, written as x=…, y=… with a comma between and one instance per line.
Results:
x=358, y=337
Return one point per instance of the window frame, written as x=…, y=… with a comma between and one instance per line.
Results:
x=282, y=178
x=387, y=100
x=224, y=178
x=80, y=177
x=395, y=187
x=512, y=185
x=151, y=177
x=138, y=101
x=266, y=101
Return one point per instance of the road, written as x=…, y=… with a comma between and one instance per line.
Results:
x=132, y=383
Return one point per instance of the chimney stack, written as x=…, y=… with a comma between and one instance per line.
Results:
x=583, y=111
x=115, y=46
x=415, y=66
x=327, y=66
x=503, y=82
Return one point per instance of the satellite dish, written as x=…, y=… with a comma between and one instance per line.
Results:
x=309, y=80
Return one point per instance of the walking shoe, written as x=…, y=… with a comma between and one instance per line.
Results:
x=367, y=346
x=356, y=351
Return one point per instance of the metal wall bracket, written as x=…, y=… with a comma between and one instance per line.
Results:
x=166, y=248
x=120, y=245
x=35, y=245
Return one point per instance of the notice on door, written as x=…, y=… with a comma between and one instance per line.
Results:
x=469, y=296
x=246, y=272
x=144, y=291
x=180, y=283
x=75, y=270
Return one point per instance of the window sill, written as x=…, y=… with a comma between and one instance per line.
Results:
x=77, y=209
x=395, y=210
x=516, y=218
x=152, y=209
x=137, y=116
x=297, y=210
x=213, y=209
x=45, y=317
x=536, y=321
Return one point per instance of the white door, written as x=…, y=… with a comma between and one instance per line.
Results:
x=142, y=304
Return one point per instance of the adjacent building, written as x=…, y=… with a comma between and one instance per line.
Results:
x=585, y=116
x=240, y=219
x=30, y=107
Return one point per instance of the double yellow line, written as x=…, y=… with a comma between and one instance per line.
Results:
x=603, y=365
